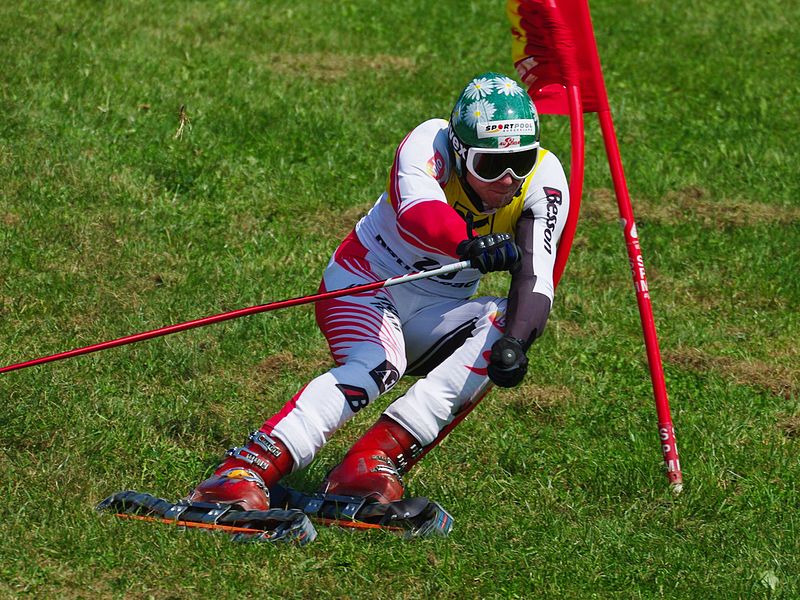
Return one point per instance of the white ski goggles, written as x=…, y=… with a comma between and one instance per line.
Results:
x=490, y=164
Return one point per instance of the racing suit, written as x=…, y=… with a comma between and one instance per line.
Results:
x=432, y=327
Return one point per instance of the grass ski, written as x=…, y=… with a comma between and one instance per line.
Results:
x=290, y=519
x=413, y=517
x=273, y=525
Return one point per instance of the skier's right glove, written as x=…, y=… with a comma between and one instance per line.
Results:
x=507, y=362
x=492, y=252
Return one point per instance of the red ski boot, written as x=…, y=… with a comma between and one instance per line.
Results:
x=243, y=479
x=374, y=466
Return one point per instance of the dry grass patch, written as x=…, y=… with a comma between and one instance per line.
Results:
x=321, y=66
x=790, y=426
x=778, y=379
x=542, y=398
x=262, y=377
x=538, y=401
x=61, y=582
x=336, y=224
x=10, y=219
x=690, y=204
x=567, y=329
x=272, y=366
x=6, y=302
x=570, y=329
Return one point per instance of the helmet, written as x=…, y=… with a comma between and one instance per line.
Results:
x=494, y=129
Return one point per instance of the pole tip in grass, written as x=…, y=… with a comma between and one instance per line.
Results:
x=676, y=488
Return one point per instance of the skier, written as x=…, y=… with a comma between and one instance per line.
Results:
x=478, y=187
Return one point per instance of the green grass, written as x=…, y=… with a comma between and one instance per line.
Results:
x=110, y=224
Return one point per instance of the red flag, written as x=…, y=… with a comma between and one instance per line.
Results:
x=553, y=47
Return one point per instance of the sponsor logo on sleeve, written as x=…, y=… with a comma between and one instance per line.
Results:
x=554, y=200
x=435, y=167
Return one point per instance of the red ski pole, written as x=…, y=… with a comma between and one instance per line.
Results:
x=242, y=312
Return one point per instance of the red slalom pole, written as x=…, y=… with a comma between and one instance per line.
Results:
x=575, y=180
x=555, y=52
x=242, y=312
x=666, y=430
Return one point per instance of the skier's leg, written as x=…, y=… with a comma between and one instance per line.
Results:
x=242, y=479
x=454, y=378
x=366, y=341
x=448, y=339
x=374, y=465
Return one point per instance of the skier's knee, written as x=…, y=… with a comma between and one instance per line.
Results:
x=361, y=383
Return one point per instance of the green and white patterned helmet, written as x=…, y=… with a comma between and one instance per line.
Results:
x=494, y=122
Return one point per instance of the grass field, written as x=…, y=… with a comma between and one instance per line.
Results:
x=111, y=224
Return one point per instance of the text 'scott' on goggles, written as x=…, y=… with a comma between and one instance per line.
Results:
x=490, y=164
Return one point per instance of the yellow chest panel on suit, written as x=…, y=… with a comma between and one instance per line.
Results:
x=503, y=220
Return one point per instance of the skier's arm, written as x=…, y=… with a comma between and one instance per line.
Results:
x=538, y=231
x=531, y=293
x=432, y=226
x=528, y=309
x=415, y=189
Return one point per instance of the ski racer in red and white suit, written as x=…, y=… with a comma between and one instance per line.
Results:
x=432, y=327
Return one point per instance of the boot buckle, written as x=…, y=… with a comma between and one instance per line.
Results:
x=248, y=456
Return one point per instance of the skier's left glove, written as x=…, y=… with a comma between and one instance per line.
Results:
x=507, y=362
x=492, y=252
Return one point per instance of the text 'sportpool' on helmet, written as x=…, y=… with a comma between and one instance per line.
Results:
x=494, y=129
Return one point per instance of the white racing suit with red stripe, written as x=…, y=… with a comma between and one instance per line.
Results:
x=433, y=327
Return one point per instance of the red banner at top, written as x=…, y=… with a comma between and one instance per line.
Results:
x=554, y=47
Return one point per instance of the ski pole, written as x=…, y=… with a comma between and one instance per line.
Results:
x=243, y=312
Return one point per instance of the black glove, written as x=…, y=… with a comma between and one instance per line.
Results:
x=507, y=363
x=493, y=252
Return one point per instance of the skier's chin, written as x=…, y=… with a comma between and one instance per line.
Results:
x=496, y=200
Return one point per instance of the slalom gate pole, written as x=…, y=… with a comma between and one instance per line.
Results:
x=575, y=181
x=666, y=430
x=242, y=312
x=555, y=52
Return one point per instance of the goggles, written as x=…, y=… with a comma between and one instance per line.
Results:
x=490, y=164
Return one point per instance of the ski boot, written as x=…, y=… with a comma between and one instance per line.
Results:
x=243, y=479
x=374, y=466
